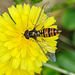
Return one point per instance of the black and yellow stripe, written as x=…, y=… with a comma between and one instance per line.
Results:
x=48, y=32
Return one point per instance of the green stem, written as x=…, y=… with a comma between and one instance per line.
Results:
x=58, y=69
x=65, y=40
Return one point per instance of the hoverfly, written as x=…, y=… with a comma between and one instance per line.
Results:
x=43, y=32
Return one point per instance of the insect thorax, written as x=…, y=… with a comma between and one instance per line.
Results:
x=31, y=34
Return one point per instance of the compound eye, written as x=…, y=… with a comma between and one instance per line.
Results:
x=26, y=34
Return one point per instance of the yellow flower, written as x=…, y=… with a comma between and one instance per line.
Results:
x=21, y=53
x=6, y=69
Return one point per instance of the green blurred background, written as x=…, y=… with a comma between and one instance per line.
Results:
x=64, y=13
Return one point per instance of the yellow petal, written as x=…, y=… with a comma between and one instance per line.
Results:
x=16, y=16
x=23, y=64
x=8, y=70
x=23, y=51
x=49, y=22
x=30, y=65
x=16, y=62
x=3, y=51
x=38, y=70
x=14, y=52
x=5, y=57
x=5, y=24
x=8, y=19
x=53, y=26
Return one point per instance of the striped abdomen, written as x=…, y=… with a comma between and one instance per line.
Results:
x=48, y=32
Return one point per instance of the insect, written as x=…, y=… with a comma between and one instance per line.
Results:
x=43, y=32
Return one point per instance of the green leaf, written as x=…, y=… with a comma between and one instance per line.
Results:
x=35, y=1
x=68, y=19
x=73, y=1
x=74, y=38
x=18, y=1
x=66, y=60
x=48, y=71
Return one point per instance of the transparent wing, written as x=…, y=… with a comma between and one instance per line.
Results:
x=43, y=15
x=45, y=47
